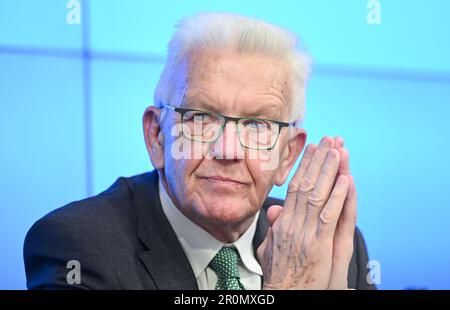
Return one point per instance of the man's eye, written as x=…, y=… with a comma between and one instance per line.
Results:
x=256, y=124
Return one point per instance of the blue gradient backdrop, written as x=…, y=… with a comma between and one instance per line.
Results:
x=72, y=98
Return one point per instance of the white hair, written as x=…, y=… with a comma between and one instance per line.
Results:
x=241, y=34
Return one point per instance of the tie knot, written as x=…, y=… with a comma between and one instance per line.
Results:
x=225, y=263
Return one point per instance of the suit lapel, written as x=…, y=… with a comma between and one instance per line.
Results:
x=164, y=258
x=169, y=268
x=261, y=229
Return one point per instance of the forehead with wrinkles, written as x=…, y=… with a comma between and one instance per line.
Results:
x=237, y=83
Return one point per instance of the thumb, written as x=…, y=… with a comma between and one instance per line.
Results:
x=273, y=212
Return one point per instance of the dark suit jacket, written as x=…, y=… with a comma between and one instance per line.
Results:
x=123, y=240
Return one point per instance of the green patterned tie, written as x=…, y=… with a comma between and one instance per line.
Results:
x=225, y=266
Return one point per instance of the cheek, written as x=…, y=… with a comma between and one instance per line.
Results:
x=263, y=175
x=179, y=159
x=180, y=172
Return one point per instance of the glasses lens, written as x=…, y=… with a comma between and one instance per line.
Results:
x=257, y=133
x=201, y=126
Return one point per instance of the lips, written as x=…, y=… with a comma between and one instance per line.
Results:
x=222, y=179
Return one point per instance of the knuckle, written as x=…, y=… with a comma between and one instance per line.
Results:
x=292, y=186
x=315, y=162
x=316, y=200
x=290, y=234
x=293, y=233
x=306, y=185
x=326, y=216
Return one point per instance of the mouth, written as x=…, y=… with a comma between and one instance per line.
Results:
x=223, y=180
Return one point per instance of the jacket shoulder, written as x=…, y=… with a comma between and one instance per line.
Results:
x=84, y=231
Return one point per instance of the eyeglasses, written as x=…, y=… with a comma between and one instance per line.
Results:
x=206, y=127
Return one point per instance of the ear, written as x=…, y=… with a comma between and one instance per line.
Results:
x=154, y=140
x=295, y=146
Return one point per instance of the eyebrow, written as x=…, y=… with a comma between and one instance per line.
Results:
x=197, y=103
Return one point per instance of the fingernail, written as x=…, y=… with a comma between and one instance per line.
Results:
x=325, y=142
x=310, y=148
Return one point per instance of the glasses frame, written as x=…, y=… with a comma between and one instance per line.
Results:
x=183, y=111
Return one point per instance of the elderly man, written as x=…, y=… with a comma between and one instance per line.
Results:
x=224, y=129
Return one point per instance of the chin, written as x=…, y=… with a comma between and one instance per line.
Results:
x=226, y=210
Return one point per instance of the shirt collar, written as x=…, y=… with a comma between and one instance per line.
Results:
x=200, y=246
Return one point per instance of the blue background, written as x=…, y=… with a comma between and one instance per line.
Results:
x=72, y=98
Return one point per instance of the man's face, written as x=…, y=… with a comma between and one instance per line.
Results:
x=225, y=185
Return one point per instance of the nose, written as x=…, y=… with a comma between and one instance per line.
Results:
x=227, y=145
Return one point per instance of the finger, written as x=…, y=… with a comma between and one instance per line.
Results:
x=338, y=142
x=322, y=190
x=291, y=198
x=347, y=219
x=309, y=179
x=273, y=212
x=330, y=214
x=343, y=240
x=344, y=167
x=339, y=145
x=311, y=174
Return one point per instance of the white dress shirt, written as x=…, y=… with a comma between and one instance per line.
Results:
x=201, y=247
